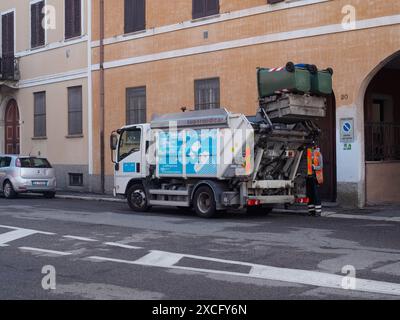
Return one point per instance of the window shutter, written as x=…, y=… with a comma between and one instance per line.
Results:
x=135, y=15
x=75, y=110
x=8, y=35
x=77, y=14
x=212, y=7
x=207, y=94
x=68, y=19
x=198, y=8
x=140, y=15
x=41, y=31
x=39, y=126
x=136, y=105
x=33, y=25
x=73, y=18
x=37, y=31
x=128, y=15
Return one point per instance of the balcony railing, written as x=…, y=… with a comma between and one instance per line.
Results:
x=9, y=68
x=382, y=141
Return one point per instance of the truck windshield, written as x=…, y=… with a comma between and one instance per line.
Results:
x=33, y=163
x=129, y=143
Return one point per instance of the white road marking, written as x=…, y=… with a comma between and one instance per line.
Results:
x=362, y=217
x=80, y=238
x=332, y=214
x=59, y=253
x=36, y=231
x=160, y=259
x=18, y=234
x=121, y=245
x=306, y=277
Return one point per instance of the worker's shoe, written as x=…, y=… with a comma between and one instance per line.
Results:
x=318, y=211
x=311, y=210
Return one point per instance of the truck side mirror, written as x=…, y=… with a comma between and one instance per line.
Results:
x=113, y=141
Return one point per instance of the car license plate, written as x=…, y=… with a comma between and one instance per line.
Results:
x=39, y=183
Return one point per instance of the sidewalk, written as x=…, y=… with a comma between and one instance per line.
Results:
x=387, y=213
x=87, y=196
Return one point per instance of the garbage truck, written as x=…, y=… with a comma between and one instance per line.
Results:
x=216, y=160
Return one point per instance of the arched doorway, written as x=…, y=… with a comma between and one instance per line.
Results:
x=328, y=148
x=382, y=134
x=12, y=135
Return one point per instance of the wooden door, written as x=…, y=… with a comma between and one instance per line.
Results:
x=328, y=148
x=12, y=137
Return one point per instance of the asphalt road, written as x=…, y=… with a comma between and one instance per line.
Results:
x=101, y=250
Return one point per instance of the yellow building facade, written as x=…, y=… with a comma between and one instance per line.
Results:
x=138, y=58
x=44, y=85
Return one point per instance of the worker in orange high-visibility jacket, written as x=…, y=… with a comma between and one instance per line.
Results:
x=315, y=178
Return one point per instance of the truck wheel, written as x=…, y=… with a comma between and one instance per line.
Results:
x=8, y=191
x=137, y=198
x=204, y=202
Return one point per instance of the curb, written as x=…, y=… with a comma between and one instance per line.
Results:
x=325, y=214
x=89, y=198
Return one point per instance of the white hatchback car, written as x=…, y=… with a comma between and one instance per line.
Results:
x=19, y=174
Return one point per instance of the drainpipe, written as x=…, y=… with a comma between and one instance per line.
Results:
x=102, y=100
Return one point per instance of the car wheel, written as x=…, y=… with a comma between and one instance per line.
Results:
x=49, y=195
x=8, y=191
x=137, y=198
x=204, y=202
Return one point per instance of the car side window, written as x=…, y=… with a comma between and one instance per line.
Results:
x=8, y=161
x=5, y=162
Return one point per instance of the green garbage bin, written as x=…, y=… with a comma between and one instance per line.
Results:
x=321, y=82
x=273, y=81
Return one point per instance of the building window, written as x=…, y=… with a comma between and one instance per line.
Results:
x=73, y=19
x=39, y=115
x=207, y=94
x=136, y=105
x=37, y=31
x=75, y=179
x=135, y=15
x=204, y=8
x=75, y=111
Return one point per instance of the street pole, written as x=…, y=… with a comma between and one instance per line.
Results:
x=102, y=99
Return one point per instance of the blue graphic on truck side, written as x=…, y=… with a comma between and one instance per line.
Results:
x=168, y=153
x=200, y=152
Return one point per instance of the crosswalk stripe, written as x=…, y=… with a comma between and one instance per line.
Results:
x=36, y=231
x=80, y=238
x=160, y=259
x=305, y=277
x=7, y=237
x=121, y=245
x=59, y=253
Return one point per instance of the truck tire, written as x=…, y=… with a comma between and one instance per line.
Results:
x=8, y=190
x=137, y=198
x=204, y=202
